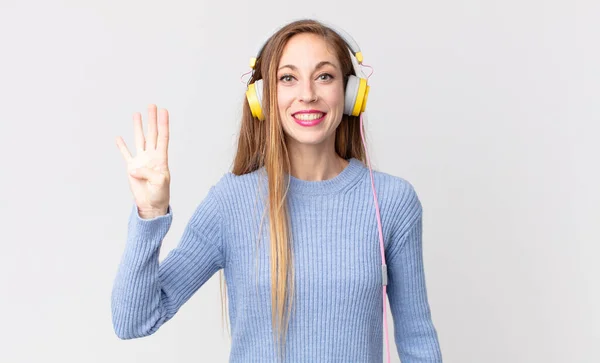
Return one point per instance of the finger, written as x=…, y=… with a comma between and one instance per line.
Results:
x=140, y=142
x=151, y=138
x=123, y=148
x=162, y=143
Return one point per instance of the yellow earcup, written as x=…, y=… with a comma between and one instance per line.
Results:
x=361, y=97
x=364, y=104
x=254, y=102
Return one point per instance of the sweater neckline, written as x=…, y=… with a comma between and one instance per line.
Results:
x=346, y=178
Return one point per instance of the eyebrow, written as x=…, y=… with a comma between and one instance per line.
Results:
x=319, y=65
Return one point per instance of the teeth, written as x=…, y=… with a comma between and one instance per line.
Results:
x=308, y=116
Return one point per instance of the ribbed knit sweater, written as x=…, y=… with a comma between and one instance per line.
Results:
x=338, y=299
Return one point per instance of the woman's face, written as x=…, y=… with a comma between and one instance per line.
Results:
x=310, y=91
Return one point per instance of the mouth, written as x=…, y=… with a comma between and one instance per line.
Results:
x=309, y=117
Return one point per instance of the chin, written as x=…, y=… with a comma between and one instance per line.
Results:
x=305, y=138
x=312, y=135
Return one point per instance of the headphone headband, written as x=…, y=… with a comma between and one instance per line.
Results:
x=350, y=43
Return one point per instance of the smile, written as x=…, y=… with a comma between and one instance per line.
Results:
x=308, y=118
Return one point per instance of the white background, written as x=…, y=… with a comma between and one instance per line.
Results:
x=489, y=108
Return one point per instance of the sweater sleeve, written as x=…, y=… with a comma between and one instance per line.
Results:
x=146, y=294
x=414, y=332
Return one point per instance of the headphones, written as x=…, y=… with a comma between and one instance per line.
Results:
x=355, y=95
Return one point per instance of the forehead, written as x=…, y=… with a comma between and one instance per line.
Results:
x=307, y=49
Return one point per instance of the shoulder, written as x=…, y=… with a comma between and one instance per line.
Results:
x=235, y=187
x=399, y=196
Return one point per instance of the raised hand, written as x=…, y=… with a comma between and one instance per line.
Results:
x=148, y=171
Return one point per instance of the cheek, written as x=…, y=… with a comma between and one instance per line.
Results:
x=336, y=98
x=284, y=98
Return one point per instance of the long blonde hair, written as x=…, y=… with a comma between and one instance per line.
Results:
x=262, y=143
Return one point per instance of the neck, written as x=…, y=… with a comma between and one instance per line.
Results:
x=316, y=166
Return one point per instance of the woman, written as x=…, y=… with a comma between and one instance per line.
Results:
x=310, y=289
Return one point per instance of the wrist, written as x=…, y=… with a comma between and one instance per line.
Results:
x=152, y=213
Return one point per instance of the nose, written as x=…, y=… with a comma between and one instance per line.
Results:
x=307, y=92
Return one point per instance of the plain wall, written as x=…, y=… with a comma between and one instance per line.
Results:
x=490, y=109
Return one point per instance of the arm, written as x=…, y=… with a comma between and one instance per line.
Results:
x=147, y=294
x=415, y=335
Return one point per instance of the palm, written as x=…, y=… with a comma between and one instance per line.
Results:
x=147, y=193
x=151, y=191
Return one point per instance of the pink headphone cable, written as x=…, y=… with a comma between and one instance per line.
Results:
x=383, y=263
x=242, y=76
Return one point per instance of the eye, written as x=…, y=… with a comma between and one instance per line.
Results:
x=286, y=78
x=325, y=77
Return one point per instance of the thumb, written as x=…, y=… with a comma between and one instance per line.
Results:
x=145, y=174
